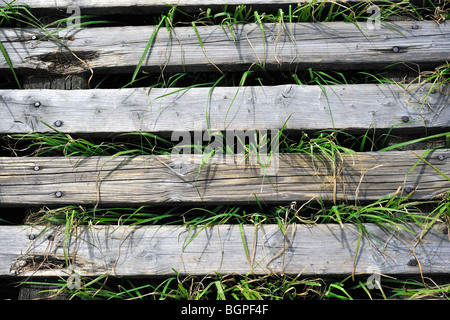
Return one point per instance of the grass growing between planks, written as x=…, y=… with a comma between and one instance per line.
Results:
x=246, y=287
x=393, y=212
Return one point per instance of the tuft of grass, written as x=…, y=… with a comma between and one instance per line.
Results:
x=213, y=287
x=59, y=143
x=250, y=288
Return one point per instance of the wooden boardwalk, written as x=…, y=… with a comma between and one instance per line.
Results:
x=320, y=250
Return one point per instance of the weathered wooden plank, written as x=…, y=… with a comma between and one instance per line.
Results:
x=152, y=6
x=231, y=179
x=317, y=250
x=108, y=111
x=336, y=45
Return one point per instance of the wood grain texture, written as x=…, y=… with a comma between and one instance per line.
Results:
x=232, y=179
x=151, y=6
x=317, y=250
x=106, y=111
x=336, y=45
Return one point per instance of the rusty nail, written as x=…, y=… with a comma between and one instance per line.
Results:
x=58, y=194
x=405, y=119
x=441, y=157
x=37, y=104
x=37, y=168
x=51, y=238
x=408, y=189
x=31, y=237
x=395, y=49
x=58, y=123
x=412, y=262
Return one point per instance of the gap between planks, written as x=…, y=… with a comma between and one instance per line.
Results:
x=307, y=250
x=189, y=179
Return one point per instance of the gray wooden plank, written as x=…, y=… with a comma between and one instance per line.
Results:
x=336, y=45
x=152, y=6
x=309, y=250
x=106, y=111
x=230, y=179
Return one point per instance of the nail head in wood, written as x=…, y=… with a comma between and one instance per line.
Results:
x=405, y=119
x=58, y=194
x=58, y=123
x=412, y=263
x=441, y=157
x=31, y=237
x=37, y=168
x=395, y=49
x=37, y=104
x=408, y=189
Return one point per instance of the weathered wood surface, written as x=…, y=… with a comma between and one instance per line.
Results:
x=232, y=179
x=105, y=111
x=309, y=250
x=144, y=6
x=336, y=45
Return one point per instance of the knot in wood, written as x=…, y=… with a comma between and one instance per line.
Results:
x=288, y=92
x=183, y=168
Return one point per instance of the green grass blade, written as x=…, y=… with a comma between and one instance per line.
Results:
x=199, y=38
x=241, y=84
x=402, y=144
x=433, y=167
x=147, y=47
x=244, y=242
x=261, y=27
x=8, y=61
